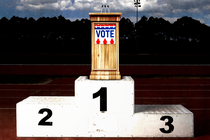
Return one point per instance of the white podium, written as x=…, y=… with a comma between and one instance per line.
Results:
x=100, y=108
x=118, y=95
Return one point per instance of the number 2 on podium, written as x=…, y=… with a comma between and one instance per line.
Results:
x=49, y=114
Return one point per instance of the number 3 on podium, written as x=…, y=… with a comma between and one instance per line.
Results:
x=169, y=124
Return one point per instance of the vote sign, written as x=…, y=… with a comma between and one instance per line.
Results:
x=105, y=33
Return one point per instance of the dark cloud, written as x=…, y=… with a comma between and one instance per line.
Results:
x=184, y=4
x=171, y=9
x=40, y=2
x=7, y=3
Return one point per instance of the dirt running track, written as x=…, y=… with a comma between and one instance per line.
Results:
x=191, y=92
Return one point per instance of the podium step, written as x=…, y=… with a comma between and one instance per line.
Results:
x=45, y=116
x=60, y=117
x=110, y=96
x=163, y=121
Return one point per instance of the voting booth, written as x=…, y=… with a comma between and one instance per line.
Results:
x=105, y=45
x=104, y=102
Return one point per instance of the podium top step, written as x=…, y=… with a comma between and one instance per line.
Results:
x=85, y=78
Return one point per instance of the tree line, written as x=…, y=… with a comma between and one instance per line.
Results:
x=60, y=35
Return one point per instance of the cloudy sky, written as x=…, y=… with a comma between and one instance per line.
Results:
x=77, y=9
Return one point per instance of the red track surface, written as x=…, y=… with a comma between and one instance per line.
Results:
x=191, y=93
x=199, y=70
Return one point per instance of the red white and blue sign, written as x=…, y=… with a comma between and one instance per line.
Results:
x=105, y=33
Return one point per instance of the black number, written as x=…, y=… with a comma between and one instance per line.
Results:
x=169, y=124
x=49, y=114
x=103, y=98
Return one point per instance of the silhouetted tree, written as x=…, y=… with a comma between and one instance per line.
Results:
x=126, y=28
x=59, y=35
